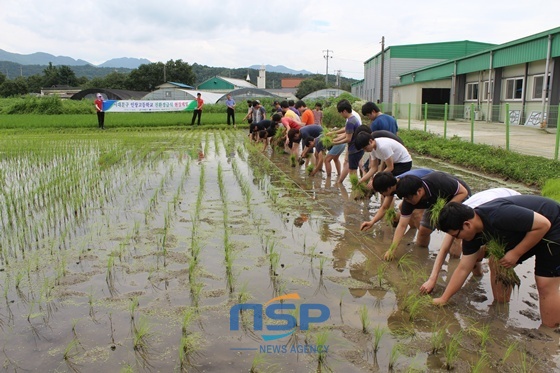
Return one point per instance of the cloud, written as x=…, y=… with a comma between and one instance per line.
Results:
x=233, y=34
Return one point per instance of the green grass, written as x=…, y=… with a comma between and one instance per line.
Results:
x=551, y=189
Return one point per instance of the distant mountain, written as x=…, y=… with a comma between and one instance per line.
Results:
x=40, y=58
x=44, y=59
x=127, y=62
x=281, y=69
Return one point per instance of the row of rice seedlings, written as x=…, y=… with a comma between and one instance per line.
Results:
x=243, y=184
x=364, y=319
x=378, y=333
x=483, y=333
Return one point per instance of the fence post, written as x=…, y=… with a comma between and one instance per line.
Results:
x=426, y=117
x=445, y=120
x=507, y=126
x=472, y=123
x=557, y=135
x=409, y=107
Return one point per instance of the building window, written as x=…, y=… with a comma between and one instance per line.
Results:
x=167, y=93
x=538, y=87
x=514, y=89
x=472, y=91
x=487, y=92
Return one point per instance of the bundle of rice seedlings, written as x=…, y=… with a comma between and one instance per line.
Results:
x=309, y=169
x=391, y=216
x=506, y=276
x=327, y=141
x=293, y=160
x=359, y=190
x=435, y=210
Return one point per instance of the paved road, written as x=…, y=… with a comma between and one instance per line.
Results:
x=522, y=139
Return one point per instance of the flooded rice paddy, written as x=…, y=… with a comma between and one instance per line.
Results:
x=134, y=252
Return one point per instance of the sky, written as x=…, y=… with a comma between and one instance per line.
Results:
x=233, y=34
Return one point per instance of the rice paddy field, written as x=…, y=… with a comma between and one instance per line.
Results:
x=191, y=250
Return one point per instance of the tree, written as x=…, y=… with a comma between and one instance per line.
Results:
x=146, y=77
x=179, y=72
x=2, y=78
x=34, y=83
x=310, y=85
x=50, y=76
x=15, y=87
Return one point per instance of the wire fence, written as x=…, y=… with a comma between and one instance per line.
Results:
x=492, y=124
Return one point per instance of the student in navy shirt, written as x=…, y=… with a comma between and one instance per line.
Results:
x=379, y=121
x=528, y=225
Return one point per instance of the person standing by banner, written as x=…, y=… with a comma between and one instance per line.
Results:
x=230, y=103
x=198, y=111
x=100, y=112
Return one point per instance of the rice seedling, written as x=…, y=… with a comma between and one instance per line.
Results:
x=321, y=356
x=437, y=337
x=309, y=169
x=69, y=353
x=390, y=253
x=327, y=141
x=378, y=333
x=141, y=334
x=364, y=318
x=394, y=355
x=243, y=295
x=293, y=160
x=189, y=315
x=496, y=249
x=452, y=350
x=133, y=306
x=406, y=263
x=390, y=216
x=511, y=347
x=359, y=190
x=526, y=363
x=322, y=261
x=416, y=304
x=435, y=210
x=189, y=347
x=127, y=369
x=381, y=271
x=258, y=360
x=480, y=364
x=483, y=333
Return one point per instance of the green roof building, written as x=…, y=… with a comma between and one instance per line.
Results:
x=524, y=74
x=381, y=71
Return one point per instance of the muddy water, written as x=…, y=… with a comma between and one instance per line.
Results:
x=136, y=245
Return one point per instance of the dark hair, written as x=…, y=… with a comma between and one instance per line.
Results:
x=363, y=128
x=361, y=140
x=382, y=181
x=408, y=186
x=307, y=140
x=256, y=102
x=292, y=134
x=284, y=104
x=250, y=103
x=263, y=134
x=290, y=102
x=299, y=104
x=369, y=107
x=344, y=105
x=318, y=104
x=453, y=215
x=276, y=117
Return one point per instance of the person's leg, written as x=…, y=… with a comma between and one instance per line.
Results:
x=228, y=110
x=344, y=171
x=549, y=300
x=328, y=166
x=423, y=236
x=193, y=117
x=199, y=116
x=336, y=160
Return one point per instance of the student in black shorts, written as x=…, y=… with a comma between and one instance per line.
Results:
x=265, y=130
x=528, y=225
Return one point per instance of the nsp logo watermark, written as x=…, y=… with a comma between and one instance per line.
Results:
x=284, y=324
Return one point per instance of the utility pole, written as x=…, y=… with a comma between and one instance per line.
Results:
x=382, y=68
x=164, y=73
x=326, y=56
x=338, y=80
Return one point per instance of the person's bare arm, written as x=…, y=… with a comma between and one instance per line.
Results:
x=429, y=285
x=540, y=226
x=386, y=205
x=457, y=278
